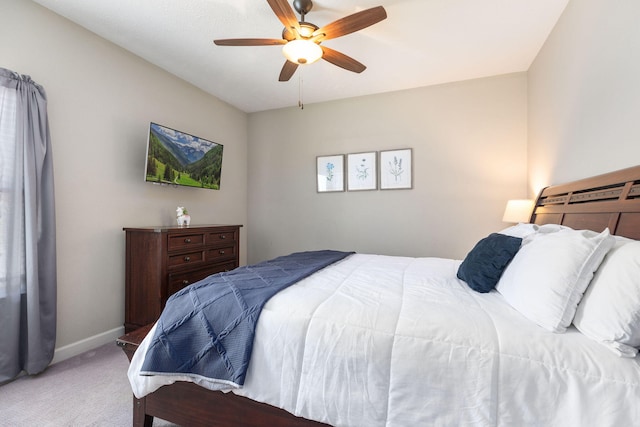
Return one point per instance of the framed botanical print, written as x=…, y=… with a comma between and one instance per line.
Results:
x=396, y=169
x=362, y=171
x=330, y=173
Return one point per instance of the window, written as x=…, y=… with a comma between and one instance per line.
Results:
x=7, y=178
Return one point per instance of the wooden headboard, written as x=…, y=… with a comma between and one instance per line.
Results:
x=610, y=200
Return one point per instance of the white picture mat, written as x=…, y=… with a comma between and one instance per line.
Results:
x=362, y=171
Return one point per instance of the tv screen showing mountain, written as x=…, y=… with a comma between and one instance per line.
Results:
x=179, y=158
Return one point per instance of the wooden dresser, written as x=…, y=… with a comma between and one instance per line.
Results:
x=162, y=260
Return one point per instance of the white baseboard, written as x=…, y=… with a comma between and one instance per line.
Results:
x=76, y=348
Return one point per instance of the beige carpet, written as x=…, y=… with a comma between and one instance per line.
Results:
x=90, y=389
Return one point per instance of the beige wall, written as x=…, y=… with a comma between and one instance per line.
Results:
x=101, y=100
x=469, y=148
x=584, y=94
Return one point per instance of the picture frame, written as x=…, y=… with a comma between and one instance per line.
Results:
x=396, y=169
x=362, y=172
x=330, y=173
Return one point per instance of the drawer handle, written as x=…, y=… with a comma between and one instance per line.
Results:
x=222, y=236
x=187, y=240
x=187, y=259
x=185, y=282
x=221, y=252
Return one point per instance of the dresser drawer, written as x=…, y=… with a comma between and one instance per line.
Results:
x=221, y=253
x=187, y=258
x=221, y=237
x=178, y=281
x=185, y=241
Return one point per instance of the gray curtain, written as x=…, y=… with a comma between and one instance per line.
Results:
x=27, y=229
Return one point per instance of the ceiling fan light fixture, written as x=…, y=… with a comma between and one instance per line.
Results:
x=302, y=52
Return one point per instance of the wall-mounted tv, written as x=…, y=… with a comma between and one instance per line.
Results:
x=178, y=158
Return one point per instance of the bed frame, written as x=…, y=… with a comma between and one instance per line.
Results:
x=611, y=200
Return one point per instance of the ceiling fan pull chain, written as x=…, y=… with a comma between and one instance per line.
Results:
x=300, y=94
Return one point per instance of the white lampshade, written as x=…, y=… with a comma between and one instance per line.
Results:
x=302, y=51
x=518, y=211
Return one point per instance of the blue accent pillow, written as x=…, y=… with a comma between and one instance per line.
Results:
x=483, y=266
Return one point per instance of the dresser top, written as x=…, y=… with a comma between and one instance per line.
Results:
x=177, y=228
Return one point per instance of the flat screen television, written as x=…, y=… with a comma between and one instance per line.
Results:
x=180, y=159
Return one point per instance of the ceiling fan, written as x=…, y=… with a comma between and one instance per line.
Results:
x=301, y=40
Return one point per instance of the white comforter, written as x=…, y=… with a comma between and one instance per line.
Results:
x=392, y=341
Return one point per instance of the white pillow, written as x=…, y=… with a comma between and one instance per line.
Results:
x=547, y=277
x=525, y=229
x=610, y=309
x=521, y=230
x=552, y=228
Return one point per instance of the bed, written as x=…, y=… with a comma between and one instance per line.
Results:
x=396, y=341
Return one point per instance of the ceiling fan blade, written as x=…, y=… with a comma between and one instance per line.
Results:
x=287, y=71
x=249, y=42
x=342, y=60
x=285, y=13
x=352, y=23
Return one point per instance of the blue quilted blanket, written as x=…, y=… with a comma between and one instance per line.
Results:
x=206, y=329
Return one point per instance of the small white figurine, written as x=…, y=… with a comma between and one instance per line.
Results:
x=183, y=217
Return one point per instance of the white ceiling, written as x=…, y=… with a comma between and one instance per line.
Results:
x=421, y=43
